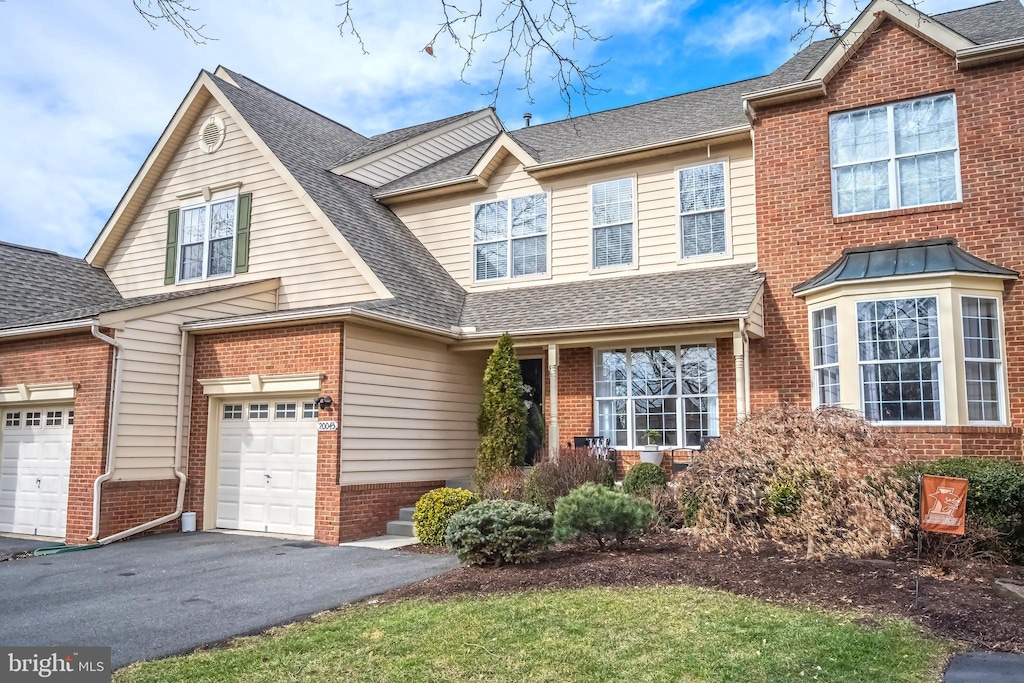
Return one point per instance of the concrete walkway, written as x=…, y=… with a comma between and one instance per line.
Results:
x=168, y=594
x=986, y=667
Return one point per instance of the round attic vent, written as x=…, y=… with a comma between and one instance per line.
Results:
x=211, y=134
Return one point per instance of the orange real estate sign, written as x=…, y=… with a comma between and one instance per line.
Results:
x=943, y=504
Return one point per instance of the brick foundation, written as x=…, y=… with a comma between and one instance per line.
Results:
x=366, y=509
x=274, y=351
x=126, y=504
x=83, y=359
x=798, y=235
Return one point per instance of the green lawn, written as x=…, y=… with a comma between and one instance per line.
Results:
x=649, y=634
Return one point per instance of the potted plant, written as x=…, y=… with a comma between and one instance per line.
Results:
x=651, y=452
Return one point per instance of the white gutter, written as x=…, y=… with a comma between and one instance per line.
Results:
x=471, y=179
x=179, y=440
x=717, y=317
x=985, y=54
x=115, y=410
x=48, y=327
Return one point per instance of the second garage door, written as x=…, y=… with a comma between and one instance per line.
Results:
x=266, y=469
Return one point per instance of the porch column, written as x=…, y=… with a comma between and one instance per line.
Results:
x=553, y=439
x=739, y=354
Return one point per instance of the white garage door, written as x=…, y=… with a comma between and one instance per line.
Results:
x=266, y=467
x=35, y=464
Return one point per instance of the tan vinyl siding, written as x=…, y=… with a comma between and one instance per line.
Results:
x=445, y=225
x=404, y=161
x=409, y=408
x=149, y=385
x=286, y=240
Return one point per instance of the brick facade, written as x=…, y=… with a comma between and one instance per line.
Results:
x=367, y=508
x=127, y=504
x=83, y=359
x=798, y=236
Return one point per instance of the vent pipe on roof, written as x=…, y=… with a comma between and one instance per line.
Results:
x=526, y=117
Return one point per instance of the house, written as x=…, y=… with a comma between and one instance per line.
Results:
x=283, y=325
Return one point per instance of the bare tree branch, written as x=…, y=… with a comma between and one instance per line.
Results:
x=348, y=21
x=819, y=16
x=176, y=13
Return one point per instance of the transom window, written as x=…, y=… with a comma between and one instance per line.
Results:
x=284, y=411
x=510, y=238
x=259, y=411
x=206, y=234
x=12, y=420
x=310, y=411
x=982, y=359
x=825, y=356
x=233, y=411
x=71, y=418
x=702, y=210
x=898, y=341
x=669, y=390
x=612, y=215
x=896, y=155
x=54, y=418
x=33, y=419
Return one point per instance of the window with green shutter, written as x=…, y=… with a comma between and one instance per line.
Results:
x=208, y=240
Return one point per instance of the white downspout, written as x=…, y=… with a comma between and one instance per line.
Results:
x=553, y=437
x=178, y=444
x=115, y=409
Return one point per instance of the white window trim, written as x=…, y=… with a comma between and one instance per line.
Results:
x=630, y=396
x=860, y=364
x=1001, y=422
x=727, y=254
x=594, y=270
x=895, y=203
x=216, y=198
x=814, y=368
x=546, y=275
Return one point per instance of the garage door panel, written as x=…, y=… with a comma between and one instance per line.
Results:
x=271, y=463
x=35, y=468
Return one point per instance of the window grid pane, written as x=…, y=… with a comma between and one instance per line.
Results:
x=54, y=418
x=529, y=256
x=898, y=342
x=284, y=411
x=613, y=245
x=12, y=420
x=259, y=411
x=825, y=356
x=923, y=163
x=491, y=261
x=233, y=411
x=518, y=225
x=982, y=359
x=702, y=205
x=33, y=419
x=310, y=411
x=612, y=202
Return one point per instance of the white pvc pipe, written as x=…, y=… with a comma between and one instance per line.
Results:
x=115, y=409
x=179, y=440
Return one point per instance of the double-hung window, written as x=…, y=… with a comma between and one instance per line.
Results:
x=510, y=238
x=612, y=214
x=671, y=390
x=206, y=235
x=898, y=342
x=895, y=155
x=825, y=356
x=982, y=359
x=702, y=210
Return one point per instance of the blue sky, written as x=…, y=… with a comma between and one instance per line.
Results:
x=87, y=87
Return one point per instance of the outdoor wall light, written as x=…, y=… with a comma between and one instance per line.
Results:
x=324, y=402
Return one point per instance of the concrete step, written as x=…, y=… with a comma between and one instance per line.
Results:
x=461, y=483
x=401, y=528
x=405, y=514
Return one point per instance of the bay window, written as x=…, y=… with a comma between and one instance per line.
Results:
x=982, y=359
x=670, y=390
x=895, y=155
x=825, y=356
x=510, y=238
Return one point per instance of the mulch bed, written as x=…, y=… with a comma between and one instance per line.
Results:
x=964, y=607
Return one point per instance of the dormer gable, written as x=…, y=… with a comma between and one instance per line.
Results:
x=395, y=154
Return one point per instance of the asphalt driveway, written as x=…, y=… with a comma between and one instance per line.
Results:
x=163, y=595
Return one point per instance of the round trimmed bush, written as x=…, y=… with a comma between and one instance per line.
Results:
x=602, y=514
x=642, y=478
x=497, y=532
x=434, y=510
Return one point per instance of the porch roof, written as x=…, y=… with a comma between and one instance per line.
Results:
x=674, y=297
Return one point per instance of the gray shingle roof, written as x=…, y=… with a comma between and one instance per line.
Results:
x=36, y=284
x=423, y=290
x=904, y=258
x=394, y=137
x=455, y=166
x=690, y=295
x=988, y=23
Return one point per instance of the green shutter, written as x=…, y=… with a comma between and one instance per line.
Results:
x=242, y=237
x=171, y=257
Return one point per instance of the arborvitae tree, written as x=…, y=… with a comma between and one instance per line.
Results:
x=502, y=419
